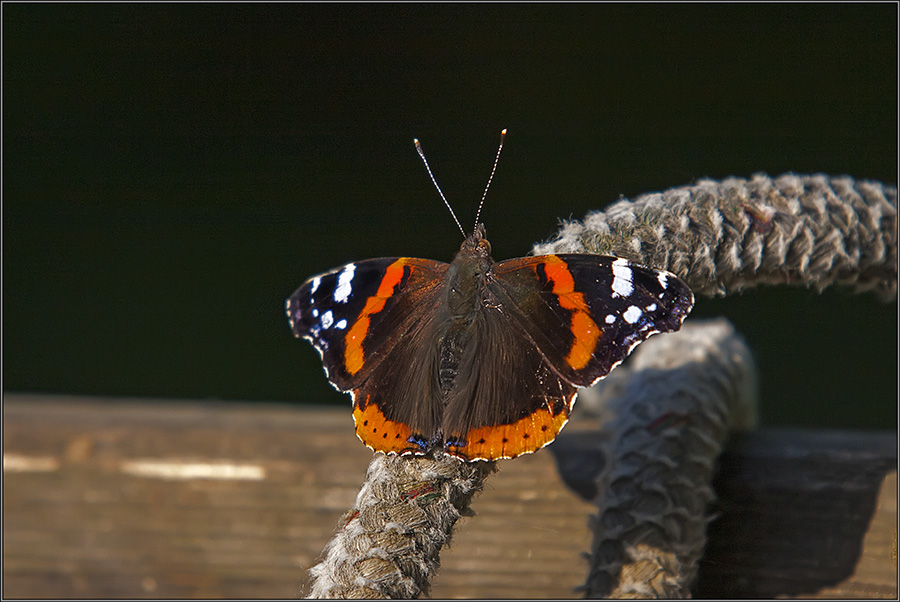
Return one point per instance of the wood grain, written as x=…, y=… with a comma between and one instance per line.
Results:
x=254, y=491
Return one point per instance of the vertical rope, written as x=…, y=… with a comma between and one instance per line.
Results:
x=676, y=401
x=390, y=543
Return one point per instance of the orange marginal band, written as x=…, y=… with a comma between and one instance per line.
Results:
x=379, y=433
x=510, y=440
x=353, y=342
x=584, y=329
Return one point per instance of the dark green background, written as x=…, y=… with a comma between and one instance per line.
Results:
x=173, y=172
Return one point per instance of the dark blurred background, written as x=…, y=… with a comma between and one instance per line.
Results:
x=171, y=173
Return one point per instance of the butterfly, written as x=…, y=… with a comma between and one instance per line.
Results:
x=478, y=359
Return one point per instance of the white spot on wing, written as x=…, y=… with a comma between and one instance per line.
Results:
x=287, y=310
x=341, y=324
x=327, y=319
x=663, y=279
x=610, y=318
x=632, y=314
x=344, y=288
x=315, y=285
x=651, y=307
x=622, y=276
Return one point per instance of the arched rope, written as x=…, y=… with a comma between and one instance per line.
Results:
x=720, y=237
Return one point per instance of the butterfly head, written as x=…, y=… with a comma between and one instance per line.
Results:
x=476, y=245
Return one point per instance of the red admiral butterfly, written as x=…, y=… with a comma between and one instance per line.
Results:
x=478, y=358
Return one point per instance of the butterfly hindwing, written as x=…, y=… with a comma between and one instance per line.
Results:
x=398, y=408
x=511, y=401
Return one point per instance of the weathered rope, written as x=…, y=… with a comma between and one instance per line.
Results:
x=674, y=403
x=390, y=543
x=721, y=237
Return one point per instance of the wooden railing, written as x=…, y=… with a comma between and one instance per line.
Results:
x=152, y=498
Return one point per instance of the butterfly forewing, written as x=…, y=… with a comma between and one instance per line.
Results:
x=585, y=313
x=354, y=315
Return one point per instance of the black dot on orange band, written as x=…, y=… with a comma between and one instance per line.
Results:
x=365, y=423
x=543, y=427
x=505, y=440
x=384, y=436
x=481, y=440
x=525, y=436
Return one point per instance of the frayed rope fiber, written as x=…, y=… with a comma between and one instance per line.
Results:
x=390, y=543
x=722, y=237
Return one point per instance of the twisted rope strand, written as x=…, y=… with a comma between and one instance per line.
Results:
x=389, y=546
x=675, y=403
x=722, y=237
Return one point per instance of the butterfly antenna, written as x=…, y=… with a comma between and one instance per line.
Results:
x=433, y=181
x=491, y=178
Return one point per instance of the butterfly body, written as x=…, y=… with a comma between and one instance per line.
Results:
x=476, y=358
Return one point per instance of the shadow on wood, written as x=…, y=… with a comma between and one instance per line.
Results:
x=793, y=511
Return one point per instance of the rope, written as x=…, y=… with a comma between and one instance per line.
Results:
x=722, y=237
x=673, y=405
x=390, y=542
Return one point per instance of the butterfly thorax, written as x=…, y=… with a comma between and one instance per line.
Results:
x=465, y=300
x=465, y=277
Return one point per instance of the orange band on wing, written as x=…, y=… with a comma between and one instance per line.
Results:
x=584, y=330
x=353, y=342
x=510, y=440
x=379, y=433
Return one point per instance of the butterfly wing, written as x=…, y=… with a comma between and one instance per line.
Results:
x=589, y=311
x=552, y=324
x=548, y=325
x=362, y=314
x=511, y=402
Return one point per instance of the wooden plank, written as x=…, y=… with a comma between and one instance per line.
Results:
x=148, y=498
